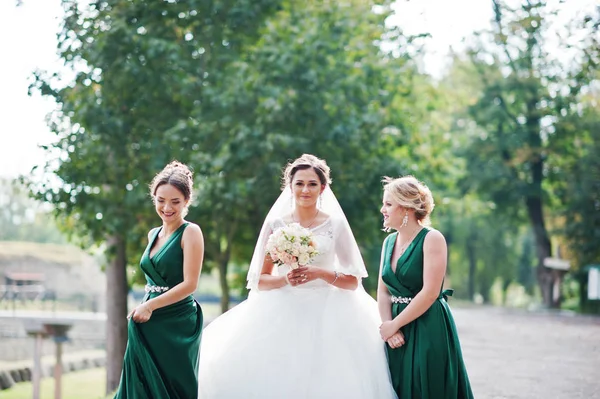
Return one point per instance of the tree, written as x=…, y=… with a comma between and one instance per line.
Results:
x=576, y=173
x=481, y=242
x=139, y=69
x=213, y=85
x=526, y=90
x=315, y=82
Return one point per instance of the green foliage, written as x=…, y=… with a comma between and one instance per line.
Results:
x=24, y=219
x=525, y=94
x=237, y=88
x=576, y=182
x=140, y=68
x=315, y=82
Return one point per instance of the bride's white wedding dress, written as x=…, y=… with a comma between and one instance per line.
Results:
x=310, y=341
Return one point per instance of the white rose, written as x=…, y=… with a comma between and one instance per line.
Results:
x=303, y=259
x=281, y=241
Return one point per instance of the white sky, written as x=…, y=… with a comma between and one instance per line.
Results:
x=28, y=42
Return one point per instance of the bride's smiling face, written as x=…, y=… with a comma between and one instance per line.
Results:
x=306, y=187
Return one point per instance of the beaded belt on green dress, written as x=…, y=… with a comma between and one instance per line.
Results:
x=406, y=299
x=155, y=288
x=401, y=299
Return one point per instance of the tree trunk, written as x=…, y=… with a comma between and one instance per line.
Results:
x=116, y=312
x=449, y=245
x=472, y=267
x=535, y=193
x=505, y=285
x=224, y=257
x=543, y=250
x=224, y=284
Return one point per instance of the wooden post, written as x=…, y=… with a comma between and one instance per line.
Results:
x=58, y=331
x=58, y=371
x=36, y=374
x=38, y=332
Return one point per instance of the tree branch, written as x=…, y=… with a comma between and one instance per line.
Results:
x=498, y=21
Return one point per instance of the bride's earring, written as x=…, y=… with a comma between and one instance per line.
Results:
x=319, y=202
x=405, y=220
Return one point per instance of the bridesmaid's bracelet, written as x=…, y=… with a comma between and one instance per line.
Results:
x=336, y=277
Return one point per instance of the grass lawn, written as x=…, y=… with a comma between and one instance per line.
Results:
x=85, y=384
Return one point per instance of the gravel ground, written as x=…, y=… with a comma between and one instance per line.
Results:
x=515, y=354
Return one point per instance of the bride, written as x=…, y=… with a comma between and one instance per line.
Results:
x=311, y=332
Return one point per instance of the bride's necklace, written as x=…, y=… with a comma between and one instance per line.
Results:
x=415, y=231
x=311, y=223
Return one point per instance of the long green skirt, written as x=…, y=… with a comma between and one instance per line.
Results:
x=161, y=359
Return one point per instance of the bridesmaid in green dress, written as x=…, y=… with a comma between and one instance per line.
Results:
x=423, y=349
x=161, y=359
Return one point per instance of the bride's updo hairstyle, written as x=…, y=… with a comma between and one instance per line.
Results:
x=306, y=161
x=410, y=193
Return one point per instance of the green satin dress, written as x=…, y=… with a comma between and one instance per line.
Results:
x=161, y=359
x=430, y=364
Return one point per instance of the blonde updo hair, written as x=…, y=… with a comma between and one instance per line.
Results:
x=410, y=193
x=306, y=161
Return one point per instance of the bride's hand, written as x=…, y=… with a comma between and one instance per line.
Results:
x=294, y=278
x=303, y=275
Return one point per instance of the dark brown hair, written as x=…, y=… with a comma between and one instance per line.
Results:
x=176, y=174
x=306, y=161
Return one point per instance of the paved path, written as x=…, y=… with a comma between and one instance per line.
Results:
x=514, y=354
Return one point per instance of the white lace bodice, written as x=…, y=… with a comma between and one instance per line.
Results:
x=325, y=238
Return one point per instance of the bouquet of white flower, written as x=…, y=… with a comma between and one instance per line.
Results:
x=292, y=245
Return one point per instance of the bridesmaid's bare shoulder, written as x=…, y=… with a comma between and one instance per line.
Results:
x=434, y=239
x=192, y=230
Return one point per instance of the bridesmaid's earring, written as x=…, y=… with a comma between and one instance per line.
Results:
x=405, y=220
